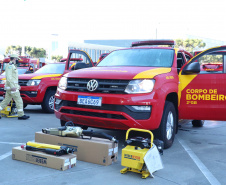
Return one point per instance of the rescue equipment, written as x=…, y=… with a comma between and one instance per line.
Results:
x=76, y=131
x=10, y=111
x=134, y=152
x=47, y=148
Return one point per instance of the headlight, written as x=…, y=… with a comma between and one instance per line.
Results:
x=2, y=81
x=33, y=82
x=140, y=86
x=63, y=83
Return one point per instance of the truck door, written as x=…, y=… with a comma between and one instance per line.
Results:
x=202, y=86
x=77, y=59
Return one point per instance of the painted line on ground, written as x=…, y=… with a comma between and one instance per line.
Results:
x=11, y=143
x=209, y=176
x=5, y=155
x=9, y=153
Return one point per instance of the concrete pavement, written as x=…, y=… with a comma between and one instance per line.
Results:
x=196, y=157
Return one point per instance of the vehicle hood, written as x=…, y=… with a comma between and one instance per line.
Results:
x=37, y=76
x=126, y=73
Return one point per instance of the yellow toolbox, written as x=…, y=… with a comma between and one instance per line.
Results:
x=134, y=152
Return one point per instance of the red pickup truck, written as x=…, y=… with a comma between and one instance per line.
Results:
x=39, y=87
x=132, y=87
x=149, y=87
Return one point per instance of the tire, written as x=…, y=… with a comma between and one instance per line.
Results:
x=198, y=123
x=167, y=129
x=48, y=102
x=25, y=105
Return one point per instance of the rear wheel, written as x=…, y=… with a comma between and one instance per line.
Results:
x=48, y=102
x=198, y=123
x=167, y=129
x=25, y=105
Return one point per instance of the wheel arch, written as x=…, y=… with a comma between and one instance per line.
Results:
x=50, y=91
x=53, y=88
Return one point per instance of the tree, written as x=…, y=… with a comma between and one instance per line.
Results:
x=32, y=51
x=27, y=49
x=57, y=58
x=36, y=52
x=12, y=49
x=190, y=44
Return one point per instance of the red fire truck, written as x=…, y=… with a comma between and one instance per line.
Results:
x=31, y=64
x=39, y=88
x=133, y=87
x=148, y=87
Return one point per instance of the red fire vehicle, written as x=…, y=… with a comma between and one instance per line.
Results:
x=39, y=87
x=145, y=87
x=26, y=65
x=30, y=64
x=21, y=70
x=133, y=87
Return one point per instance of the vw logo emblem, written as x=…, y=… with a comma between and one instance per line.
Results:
x=92, y=85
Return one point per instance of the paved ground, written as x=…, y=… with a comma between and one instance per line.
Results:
x=197, y=157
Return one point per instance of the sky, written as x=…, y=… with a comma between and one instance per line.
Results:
x=32, y=22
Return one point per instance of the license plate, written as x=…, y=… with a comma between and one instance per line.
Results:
x=89, y=100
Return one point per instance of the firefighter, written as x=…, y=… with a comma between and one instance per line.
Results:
x=12, y=87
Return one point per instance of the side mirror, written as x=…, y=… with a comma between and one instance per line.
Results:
x=191, y=68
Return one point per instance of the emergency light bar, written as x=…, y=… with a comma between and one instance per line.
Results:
x=153, y=42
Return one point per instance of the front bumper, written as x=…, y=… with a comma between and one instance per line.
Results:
x=24, y=94
x=115, y=112
x=31, y=94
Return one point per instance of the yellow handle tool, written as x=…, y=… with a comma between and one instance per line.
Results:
x=42, y=145
x=140, y=130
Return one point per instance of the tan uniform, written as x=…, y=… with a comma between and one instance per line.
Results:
x=12, y=81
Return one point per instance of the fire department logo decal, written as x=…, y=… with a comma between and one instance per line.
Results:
x=92, y=85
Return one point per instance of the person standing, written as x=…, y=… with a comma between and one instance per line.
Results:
x=12, y=87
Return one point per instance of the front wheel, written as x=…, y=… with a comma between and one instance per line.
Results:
x=48, y=102
x=167, y=129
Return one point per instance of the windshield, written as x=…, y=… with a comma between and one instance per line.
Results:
x=139, y=57
x=52, y=69
x=20, y=71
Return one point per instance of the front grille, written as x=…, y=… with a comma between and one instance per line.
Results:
x=23, y=82
x=105, y=86
x=93, y=114
x=137, y=115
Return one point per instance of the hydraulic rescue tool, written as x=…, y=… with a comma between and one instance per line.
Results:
x=134, y=152
x=47, y=148
x=76, y=131
x=10, y=111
